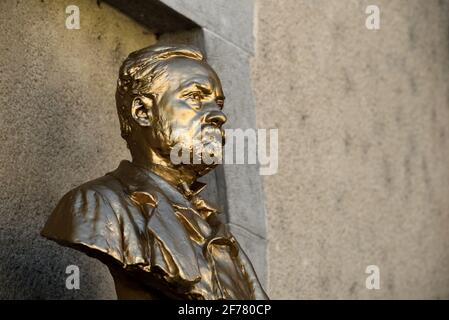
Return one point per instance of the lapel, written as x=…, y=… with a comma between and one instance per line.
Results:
x=172, y=223
x=175, y=228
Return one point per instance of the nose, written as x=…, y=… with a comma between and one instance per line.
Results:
x=216, y=117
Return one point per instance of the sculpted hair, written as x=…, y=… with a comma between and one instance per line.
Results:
x=139, y=75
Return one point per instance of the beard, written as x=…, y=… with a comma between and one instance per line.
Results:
x=211, y=141
x=201, y=148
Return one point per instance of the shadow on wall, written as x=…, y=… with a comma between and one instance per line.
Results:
x=58, y=129
x=44, y=160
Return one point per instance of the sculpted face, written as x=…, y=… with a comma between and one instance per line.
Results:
x=186, y=114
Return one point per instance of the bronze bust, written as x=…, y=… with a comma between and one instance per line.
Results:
x=146, y=220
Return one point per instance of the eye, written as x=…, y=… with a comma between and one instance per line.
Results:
x=220, y=103
x=196, y=95
x=195, y=98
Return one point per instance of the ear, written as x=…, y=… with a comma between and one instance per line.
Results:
x=142, y=110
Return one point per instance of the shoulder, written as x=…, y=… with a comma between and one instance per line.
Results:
x=104, y=187
x=90, y=198
x=84, y=218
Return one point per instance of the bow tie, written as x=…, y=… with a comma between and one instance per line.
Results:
x=191, y=193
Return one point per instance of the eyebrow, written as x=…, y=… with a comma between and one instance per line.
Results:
x=203, y=86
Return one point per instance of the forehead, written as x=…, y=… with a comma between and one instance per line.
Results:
x=182, y=72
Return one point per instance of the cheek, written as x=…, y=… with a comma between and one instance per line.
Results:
x=185, y=118
x=182, y=118
x=185, y=134
x=182, y=114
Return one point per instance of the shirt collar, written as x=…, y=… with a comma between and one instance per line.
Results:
x=137, y=178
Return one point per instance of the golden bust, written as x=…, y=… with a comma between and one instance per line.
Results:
x=146, y=220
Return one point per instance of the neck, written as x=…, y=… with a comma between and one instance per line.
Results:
x=174, y=175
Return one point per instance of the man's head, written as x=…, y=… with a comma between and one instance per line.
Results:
x=168, y=97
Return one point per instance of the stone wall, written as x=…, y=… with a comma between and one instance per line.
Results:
x=363, y=119
x=58, y=129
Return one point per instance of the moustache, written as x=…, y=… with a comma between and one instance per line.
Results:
x=212, y=132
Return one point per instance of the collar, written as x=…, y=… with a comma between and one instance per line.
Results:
x=139, y=179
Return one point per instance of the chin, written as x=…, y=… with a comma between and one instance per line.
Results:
x=202, y=154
